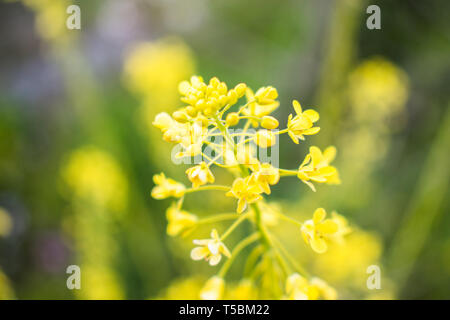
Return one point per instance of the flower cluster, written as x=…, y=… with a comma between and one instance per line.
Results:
x=208, y=122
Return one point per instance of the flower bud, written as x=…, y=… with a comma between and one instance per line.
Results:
x=240, y=89
x=232, y=119
x=269, y=122
x=180, y=116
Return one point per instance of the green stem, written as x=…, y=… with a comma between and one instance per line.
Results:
x=233, y=226
x=239, y=247
x=210, y=187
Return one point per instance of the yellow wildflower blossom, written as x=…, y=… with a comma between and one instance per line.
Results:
x=193, y=141
x=269, y=122
x=209, y=98
x=94, y=175
x=325, y=290
x=246, y=190
x=200, y=175
x=257, y=109
x=213, y=289
x=316, y=231
x=265, y=138
x=244, y=290
x=156, y=68
x=166, y=187
x=343, y=227
x=266, y=95
x=265, y=175
x=298, y=288
x=316, y=167
x=172, y=130
x=179, y=220
x=210, y=249
x=302, y=123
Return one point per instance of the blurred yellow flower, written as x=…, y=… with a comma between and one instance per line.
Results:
x=325, y=290
x=213, y=289
x=5, y=223
x=244, y=290
x=99, y=283
x=316, y=167
x=156, y=68
x=95, y=175
x=50, y=18
x=377, y=88
x=166, y=187
x=346, y=264
x=302, y=123
x=298, y=288
x=6, y=290
x=183, y=289
x=179, y=220
x=317, y=231
x=200, y=175
x=210, y=249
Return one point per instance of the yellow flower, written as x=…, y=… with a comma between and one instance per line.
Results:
x=210, y=249
x=265, y=175
x=317, y=231
x=266, y=95
x=269, y=122
x=200, y=175
x=213, y=289
x=244, y=290
x=378, y=90
x=193, y=141
x=94, y=175
x=246, y=190
x=173, y=131
x=246, y=154
x=166, y=187
x=325, y=290
x=298, y=288
x=316, y=167
x=178, y=220
x=207, y=99
x=265, y=138
x=343, y=227
x=257, y=109
x=302, y=123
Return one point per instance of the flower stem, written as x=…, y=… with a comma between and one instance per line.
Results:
x=209, y=187
x=234, y=225
x=239, y=247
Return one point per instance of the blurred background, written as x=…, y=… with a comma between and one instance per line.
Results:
x=78, y=152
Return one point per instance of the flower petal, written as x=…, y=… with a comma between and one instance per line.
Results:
x=312, y=114
x=199, y=253
x=319, y=245
x=319, y=215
